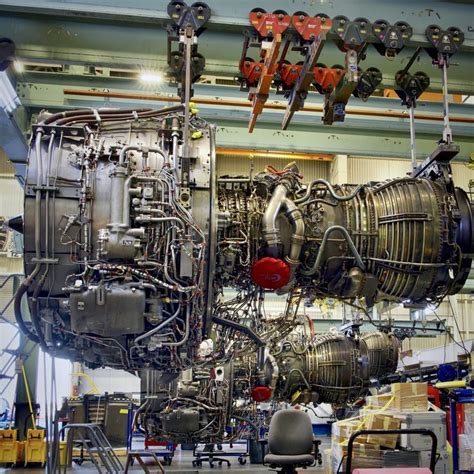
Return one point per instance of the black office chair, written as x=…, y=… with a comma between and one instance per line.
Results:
x=290, y=442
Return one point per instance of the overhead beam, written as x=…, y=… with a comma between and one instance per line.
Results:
x=57, y=33
x=368, y=142
x=221, y=102
x=234, y=15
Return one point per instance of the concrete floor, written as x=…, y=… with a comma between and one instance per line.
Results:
x=182, y=463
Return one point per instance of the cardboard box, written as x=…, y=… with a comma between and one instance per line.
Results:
x=359, y=450
x=409, y=397
x=382, y=422
x=409, y=389
x=378, y=401
x=342, y=430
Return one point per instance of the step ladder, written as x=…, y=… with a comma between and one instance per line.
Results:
x=92, y=439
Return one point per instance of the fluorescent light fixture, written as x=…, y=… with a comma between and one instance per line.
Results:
x=9, y=100
x=18, y=66
x=150, y=77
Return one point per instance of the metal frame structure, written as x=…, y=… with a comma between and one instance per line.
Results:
x=458, y=397
x=128, y=40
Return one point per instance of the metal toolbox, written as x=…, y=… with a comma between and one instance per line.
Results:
x=431, y=420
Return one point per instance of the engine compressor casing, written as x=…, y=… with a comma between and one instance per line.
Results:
x=115, y=237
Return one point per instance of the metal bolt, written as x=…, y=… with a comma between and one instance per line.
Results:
x=280, y=16
x=259, y=14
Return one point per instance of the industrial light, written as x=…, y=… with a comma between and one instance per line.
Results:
x=18, y=66
x=9, y=100
x=150, y=77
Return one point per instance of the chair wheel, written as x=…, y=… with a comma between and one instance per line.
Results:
x=242, y=460
x=211, y=464
x=220, y=463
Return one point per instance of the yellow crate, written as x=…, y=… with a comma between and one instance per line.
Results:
x=9, y=446
x=62, y=453
x=35, y=447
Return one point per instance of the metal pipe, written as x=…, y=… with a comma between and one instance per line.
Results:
x=295, y=217
x=146, y=219
x=239, y=327
x=125, y=150
x=412, y=137
x=276, y=371
x=330, y=189
x=447, y=132
x=187, y=330
x=106, y=115
x=270, y=230
x=349, y=241
x=157, y=328
x=17, y=309
x=117, y=189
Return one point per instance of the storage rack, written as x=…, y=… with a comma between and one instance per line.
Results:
x=458, y=397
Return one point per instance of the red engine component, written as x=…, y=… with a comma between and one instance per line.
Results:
x=251, y=70
x=269, y=24
x=271, y=273
x=309, y=27
x=261, y=394
x=327, y=78
x=289, y=74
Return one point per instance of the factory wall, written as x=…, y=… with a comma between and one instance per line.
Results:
x=239, y=165
x=362, y=169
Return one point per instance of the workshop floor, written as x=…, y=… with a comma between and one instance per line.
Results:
x=182, y=463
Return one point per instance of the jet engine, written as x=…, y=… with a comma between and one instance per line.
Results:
x=131, y=238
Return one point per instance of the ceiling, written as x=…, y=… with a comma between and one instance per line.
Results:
x=71, y=48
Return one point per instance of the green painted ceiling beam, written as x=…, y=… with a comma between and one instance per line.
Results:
x=78, y=33
x=234, y=15
x=52, y=95
x=358, y=135
x=367, y=142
